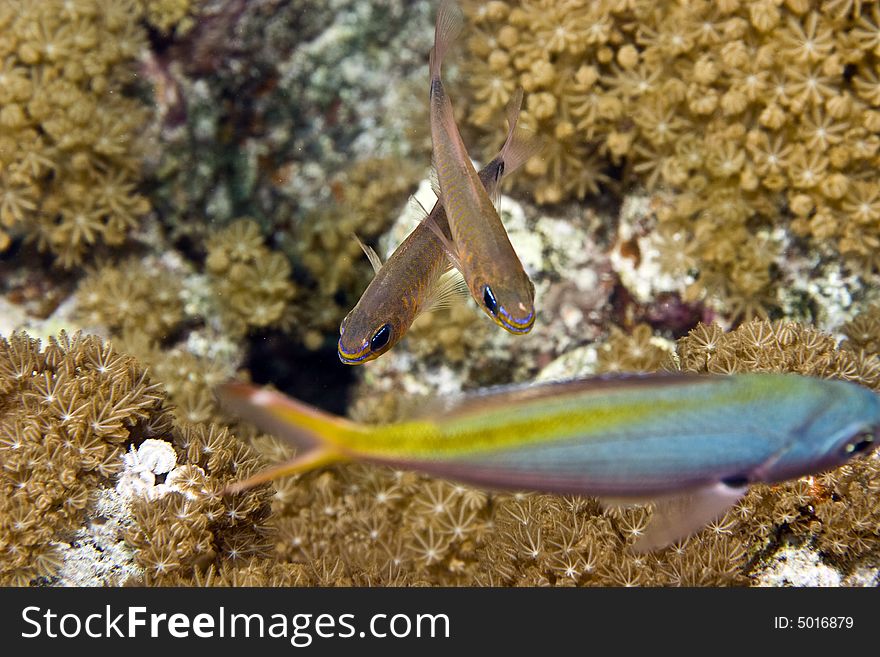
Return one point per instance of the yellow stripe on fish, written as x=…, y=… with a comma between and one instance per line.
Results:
x=691, y=443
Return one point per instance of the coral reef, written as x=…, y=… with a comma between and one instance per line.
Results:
x=150, y=305
x=268, y=101
x=251, y=284
x=191, y=524
x=78, y=413
x=132, y=297
x=70, y=149
x=169, y=15
x=278, y=129
x=741, y=117
x=67, y=413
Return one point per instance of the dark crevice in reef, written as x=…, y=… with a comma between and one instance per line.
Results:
x=315, y=377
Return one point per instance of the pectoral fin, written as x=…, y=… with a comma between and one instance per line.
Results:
x=447, y=289
x=676, y=518
x=434, y=179
x=448, y=246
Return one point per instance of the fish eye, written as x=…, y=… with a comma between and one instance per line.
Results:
x=381, y=337
x=861, y=443
x=489, y=300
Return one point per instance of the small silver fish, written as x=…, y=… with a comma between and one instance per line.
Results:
x=484, y=254
x=415, y=278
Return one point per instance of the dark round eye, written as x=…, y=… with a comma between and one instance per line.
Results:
x=489, y=300
x=861, y=443
x=381, y=337
x=736, y=481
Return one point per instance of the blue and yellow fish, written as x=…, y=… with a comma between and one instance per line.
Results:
x=692, y=444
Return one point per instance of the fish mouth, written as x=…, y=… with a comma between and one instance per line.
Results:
x=349, y=358
x=513, y=324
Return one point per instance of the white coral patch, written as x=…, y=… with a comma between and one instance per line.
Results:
x=644, y=277
x=136, y=482
x=158, y=456
x=140, y=467
x=796, y=566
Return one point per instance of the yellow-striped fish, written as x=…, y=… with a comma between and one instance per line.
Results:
x=691, y=443
x=485, y=257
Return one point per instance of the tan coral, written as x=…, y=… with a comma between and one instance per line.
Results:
x=251, y=284
x=131, y=297
x=762, y=85
x=71, y=128
x=66, y=413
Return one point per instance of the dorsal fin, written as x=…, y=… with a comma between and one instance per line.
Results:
x=371, y=254
x=446, y=30
x=520, y=144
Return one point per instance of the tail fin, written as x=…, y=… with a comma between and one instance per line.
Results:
x=447, y=29
x=315, y=434
x=520, y=144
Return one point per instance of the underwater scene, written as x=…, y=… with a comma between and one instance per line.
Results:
x=636, y=342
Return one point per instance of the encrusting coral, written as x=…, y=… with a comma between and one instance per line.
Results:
x=67, y=413
x=247, y=286
x=131, y=297
x=169, y=15
x=742, y=117
x=251, y=284
x=70, y=150
x=151, y=307
x=71, y=415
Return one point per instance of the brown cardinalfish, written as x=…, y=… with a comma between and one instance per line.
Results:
x=417, y=277
x=479, y=248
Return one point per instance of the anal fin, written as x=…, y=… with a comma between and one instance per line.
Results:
x=676, y=518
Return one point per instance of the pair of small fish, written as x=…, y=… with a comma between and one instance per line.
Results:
x=691, y=444
x=464, y=231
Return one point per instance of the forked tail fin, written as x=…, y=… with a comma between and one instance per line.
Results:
x=520, y=144
x=317, y=436
x=447, y=29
